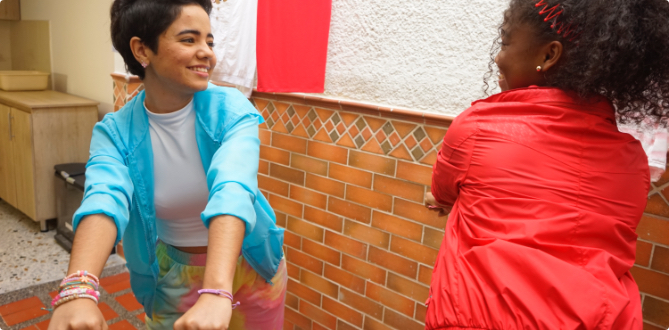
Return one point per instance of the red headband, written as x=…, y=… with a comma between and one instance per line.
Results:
x=553, y=14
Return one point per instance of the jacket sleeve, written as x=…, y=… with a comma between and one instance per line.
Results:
x=109, y=188
x=233, y=174
x=450, y=169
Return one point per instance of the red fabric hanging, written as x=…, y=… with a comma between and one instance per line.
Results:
x=292, y=45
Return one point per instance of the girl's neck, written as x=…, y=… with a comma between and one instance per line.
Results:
x=163, y=99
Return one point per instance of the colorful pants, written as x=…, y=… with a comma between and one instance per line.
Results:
x=181, y=275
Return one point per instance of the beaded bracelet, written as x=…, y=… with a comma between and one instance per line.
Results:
x=73, y=297
x=79, y=284
x=220, y=293
x=83, y=273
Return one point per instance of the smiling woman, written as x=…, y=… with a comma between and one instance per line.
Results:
x=174, y=172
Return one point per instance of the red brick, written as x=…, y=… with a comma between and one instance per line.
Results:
x=415, y=173
x=369, y=198
x=421, y=310
x=372, y=324
x=325, y=185
x=293, y=271
x=318, y=315
x=44, y=325
x=393, y=262
x=288, y=142
x=651, y=282
x=341, y=325
x=304, y=260
x=344, y=278
x=287, y=325
x=291, y=300
x=263, y=167
x=287, y=174
x=318, y=327
x=397, y=226
x=399, y=188
x=129, y=302
x=285, y=205
x=309, y=164
x=107, y=312
x=366, y=234
x=661, y=259
x=351, y=175
x=346, y=245
x=433, y=238
x=22, y=310
x=656, y=311
x=364, y=269
x=265, y=137
x=141, y=317
x=308, y=196
x=653, y=229
x=274, y=155
x=122, y=325
x=305, y=229
x=657, y=206
x=304, y=292
x=321, y=252
x=648, y=326
x=349, y=210
x=297, y=318
x=425, y=275
x=273, y=185
x=292, y=240
x=323, y=218
x=374, y=163
x=115, y=283
x=281, y=219
x=342, y=311
x=414, y=251
x=361, y=303
x=327, y=152
x=409, y=288
x=419, y=212
x=399, y=321
x=320, y=284
x=390, y=299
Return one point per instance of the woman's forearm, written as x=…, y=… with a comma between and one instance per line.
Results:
x=226, y=234
x=93, y=242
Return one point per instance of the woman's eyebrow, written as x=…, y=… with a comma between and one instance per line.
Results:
x=195, y=32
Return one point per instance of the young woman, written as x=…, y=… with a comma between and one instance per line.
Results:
x=545, y=192
x=174, y=173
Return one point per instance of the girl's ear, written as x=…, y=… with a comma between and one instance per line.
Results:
x=140, y=50
x=551, y=53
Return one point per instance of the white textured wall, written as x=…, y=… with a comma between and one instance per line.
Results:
x=423, y=54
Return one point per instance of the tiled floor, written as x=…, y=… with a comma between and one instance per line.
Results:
x=23, y=309
x=27, y=256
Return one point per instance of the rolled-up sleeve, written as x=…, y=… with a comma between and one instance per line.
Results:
x=450, y=169
x=109, y=188
x=233, y=174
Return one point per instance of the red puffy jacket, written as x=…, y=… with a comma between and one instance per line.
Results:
x=546, y=196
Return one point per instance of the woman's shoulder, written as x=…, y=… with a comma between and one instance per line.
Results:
x=227, y=99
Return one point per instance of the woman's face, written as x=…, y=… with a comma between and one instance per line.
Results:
x=185, y=58
x=518, y=58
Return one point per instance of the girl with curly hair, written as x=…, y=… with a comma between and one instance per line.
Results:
x=174, y=173
x=544, y=192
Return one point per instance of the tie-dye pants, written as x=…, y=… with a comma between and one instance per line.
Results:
x=181, y=275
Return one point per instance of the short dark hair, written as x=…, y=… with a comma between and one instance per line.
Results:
x=621, y=51
x=147, y=20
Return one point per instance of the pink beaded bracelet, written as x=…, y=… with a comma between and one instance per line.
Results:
x=220, y=293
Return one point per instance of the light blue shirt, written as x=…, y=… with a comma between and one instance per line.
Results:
x=119, y=182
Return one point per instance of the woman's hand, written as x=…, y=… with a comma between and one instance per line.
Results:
x=210, y=312
x=431, y=203
x=78, y=314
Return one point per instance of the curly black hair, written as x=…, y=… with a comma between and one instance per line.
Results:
x=621, y=51
x=146, y=19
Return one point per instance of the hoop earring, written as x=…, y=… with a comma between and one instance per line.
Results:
x=538, y=68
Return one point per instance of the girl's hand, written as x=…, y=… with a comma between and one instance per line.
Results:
x=78, y=314
x=210, y=312
x=431, y=203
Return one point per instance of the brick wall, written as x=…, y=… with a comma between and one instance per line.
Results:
x=347, y=182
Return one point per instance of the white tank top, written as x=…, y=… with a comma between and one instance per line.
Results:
x=180, y=184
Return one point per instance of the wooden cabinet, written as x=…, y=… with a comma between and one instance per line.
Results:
x=39, y=130
x=10, y=9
